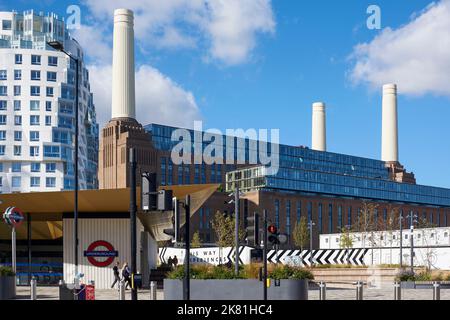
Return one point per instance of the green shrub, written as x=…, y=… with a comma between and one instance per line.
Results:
x=206, y=272
x=405, y=276
x=424, y=276
x=6, y=272
x=287, y=272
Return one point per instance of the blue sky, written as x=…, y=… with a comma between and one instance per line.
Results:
x=262, y=65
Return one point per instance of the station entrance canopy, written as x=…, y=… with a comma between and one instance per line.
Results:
x=46, y=209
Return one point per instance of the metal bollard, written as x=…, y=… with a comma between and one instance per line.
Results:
x=359, y=290
x=153, y=289
x=322, y=291
x=397, y=291
x=121, y=290
x=436, y=291
x=33, y=293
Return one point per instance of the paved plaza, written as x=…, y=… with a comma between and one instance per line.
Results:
x=385, y=293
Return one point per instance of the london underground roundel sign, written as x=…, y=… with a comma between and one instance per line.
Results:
x=101, y=253
x=13, y=216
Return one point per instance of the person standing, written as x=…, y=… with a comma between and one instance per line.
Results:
x=175, y=261
x=116, y=274
x=126, y=275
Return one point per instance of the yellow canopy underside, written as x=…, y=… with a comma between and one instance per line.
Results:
x=47, y=208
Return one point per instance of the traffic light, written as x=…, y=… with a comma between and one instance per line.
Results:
x=165, y=200
x=149, y=196
x=253, y=229
x=174, y=232
x=273, y=234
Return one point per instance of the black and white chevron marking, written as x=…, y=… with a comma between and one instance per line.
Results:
x=321, y=257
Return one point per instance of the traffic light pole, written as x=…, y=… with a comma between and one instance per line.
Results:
x=236, y=217
x=265, y=255
x=133, y=209
x=187, y=282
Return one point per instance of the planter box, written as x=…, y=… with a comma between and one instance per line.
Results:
x=236, y=290
x=408, y=285
x=7, y=288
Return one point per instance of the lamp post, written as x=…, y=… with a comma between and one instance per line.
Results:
x=413, y=219
x=400, y=219
x=58, y=46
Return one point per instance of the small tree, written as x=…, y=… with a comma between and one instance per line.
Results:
x=196, y=242
x=301, y=233
x=346, y=241
x=224, y=225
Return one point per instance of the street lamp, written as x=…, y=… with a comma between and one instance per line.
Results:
x=400, y=219
x=413, y=219
x=58, y=46
x=311, y=224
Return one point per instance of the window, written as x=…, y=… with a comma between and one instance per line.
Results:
x=51, y=151
x=35, y=167
x=34, y=135
x=48, y=106
x=17, y=74
x=17, y=90
x=53, y=61
x=320, y=218
x=330, y=218
x=340, y=218
x=3, y=104
x=35, y=182
x=50, y=167
x=18, y=59
x=2, y=135
x=2, y=151
x=50, y=182
x=35, y=59
x=18, y=120
x=48, y=120
x=1, y=167
x=51, y=76
x=17, y=135
x=34, y=151
x=288, y=217
x=34, y=105
x=17, y=105
x=163, y=170
x=6, y=24
x=16, y=167
x=299, y=211
x=49, y=91
x=3, y=90
x=35, y=75
x=16, y=182
x=3, y=75
x=1, y=181
x=35, y=91
x=17, y=150
x=34, y=120
x=2, y=119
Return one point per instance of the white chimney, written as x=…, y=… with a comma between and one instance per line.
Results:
x=123, y=94
x=319, y=130
x=389, y=135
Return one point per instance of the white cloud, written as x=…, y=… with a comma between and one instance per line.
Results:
x=158, y=98
x=229, y=27
x=416, y=56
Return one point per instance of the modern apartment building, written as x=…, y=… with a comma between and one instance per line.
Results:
x=37, y=103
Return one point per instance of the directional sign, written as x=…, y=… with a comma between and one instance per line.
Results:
x=101, y=258
x=13, y=216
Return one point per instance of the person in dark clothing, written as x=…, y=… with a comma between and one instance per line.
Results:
x=170, y=262
x=175, y=261
x=116, y=274
x=126, y=275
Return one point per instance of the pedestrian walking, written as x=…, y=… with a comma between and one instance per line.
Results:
x=116, y=274
x=126, y=275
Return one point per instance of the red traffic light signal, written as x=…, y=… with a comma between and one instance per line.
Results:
x=272, y=229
